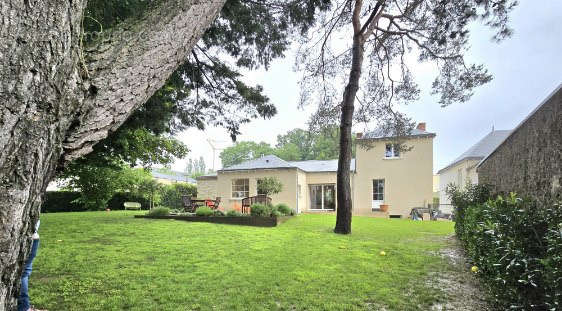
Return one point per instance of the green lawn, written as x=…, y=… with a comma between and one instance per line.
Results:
x=112, y=261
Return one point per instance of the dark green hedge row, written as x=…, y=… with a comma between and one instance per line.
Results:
x=516, y=244
x=65, y=201
x=61, y=201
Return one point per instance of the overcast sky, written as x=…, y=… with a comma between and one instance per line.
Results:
x=526, y=68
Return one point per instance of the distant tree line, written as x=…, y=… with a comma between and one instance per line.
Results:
x=295, y=145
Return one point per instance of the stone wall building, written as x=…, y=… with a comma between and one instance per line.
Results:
x=529, y=160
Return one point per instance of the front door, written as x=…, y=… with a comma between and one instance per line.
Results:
x=323, y=197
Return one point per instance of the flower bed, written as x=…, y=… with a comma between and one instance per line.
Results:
x=255, y=221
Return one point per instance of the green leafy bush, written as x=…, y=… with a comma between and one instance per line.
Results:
x=234, y=213
x=204, y=211
x=116, y=202
x=276, y=214
x=218, y=213
x=62, y=201
x=171, y=195
x=517, y=245
x=284, y=209
x=159, y=211
x=261, y=210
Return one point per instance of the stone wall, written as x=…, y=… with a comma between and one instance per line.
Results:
x=529, y=162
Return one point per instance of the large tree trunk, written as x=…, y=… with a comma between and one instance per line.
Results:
x=58, y=99
x=344, y=207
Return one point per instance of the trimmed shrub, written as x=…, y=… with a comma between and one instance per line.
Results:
x=116, y=202
x=260, y=210
x=276, y=214
x=284, y=209
x=516, y=244
x=234, y=213
x=204, y=211
x=218, y=213
x=67, y=201
x=62, y=201
x=170, y=195
x=159, y=211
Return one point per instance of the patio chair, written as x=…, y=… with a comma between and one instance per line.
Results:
x=188, y=205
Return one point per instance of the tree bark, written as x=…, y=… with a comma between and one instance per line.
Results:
x=59, y=99
x=344, y=208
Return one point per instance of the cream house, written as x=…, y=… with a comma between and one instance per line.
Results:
x=380, y=174
x=463, y=169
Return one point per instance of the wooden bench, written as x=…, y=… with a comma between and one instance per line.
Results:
x=132, y=205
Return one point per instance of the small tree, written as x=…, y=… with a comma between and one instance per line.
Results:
x=269, y=186
x=150, y=189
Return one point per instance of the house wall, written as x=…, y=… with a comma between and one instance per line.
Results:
x=408, y=179
x=467, y=169
x=207, y=188
x=288, y=178
x=302, y=197
x=529, y=161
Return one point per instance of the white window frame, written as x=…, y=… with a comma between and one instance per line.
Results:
x=236, y=193
x=394, y=151
x=322, y=192
x=375, y=206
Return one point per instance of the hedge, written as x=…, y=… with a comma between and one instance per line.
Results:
x=516, y=244
x=62, y=201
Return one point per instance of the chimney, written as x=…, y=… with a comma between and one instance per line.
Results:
x=359, y=135
x=421, y=126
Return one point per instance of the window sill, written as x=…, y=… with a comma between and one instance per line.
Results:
x=391, y=158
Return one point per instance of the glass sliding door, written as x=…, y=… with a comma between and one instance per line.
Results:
x=330, y=197
x=316, y=197
x=323, y=197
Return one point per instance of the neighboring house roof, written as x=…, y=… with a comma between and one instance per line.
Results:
x=382, y=134
x=481, y=149
x=172, y=175
x=547, y=99
x=273, y=162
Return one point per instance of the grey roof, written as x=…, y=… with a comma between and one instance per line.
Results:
x=265, y=162
x=208, y=176
x=482, y=148
x=547, y=99
x=273, y=162
x=382, y=134
x=320, y=165
x=172, y=175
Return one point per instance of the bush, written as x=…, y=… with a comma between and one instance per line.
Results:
x=284, y=209
x=234, y=213
x=159, y=211
x=276, y=214
x=62, y=201
x=517, y=245
x=218, y=213
x=261, y=210
x=68, y=201
x=170, y=195
x=204, y=211
x=116, y=202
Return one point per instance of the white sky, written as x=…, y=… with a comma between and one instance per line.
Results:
x=526, y=68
